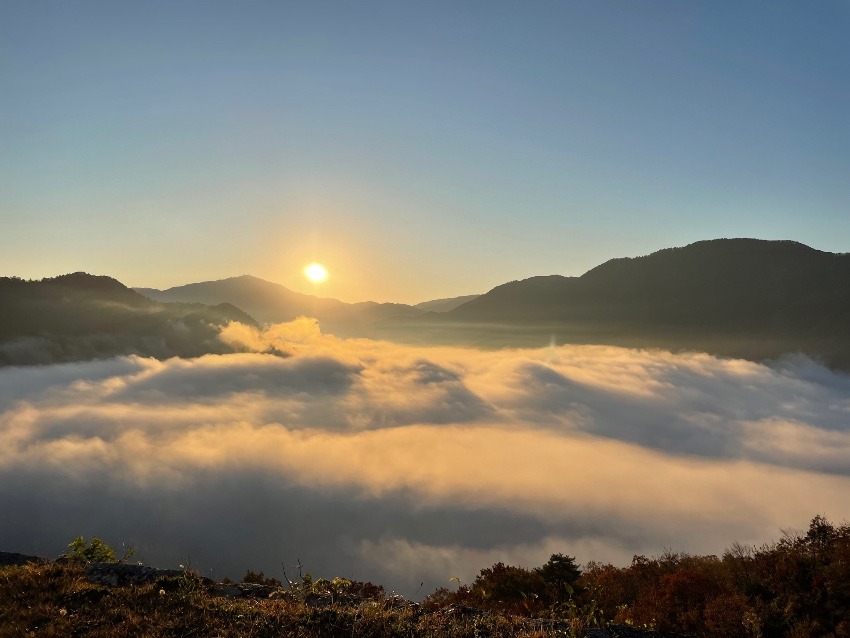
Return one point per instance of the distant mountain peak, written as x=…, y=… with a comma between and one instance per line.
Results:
x=84, y=281
x=720, y=252
x=748, y=243
x=272, y=302
x=772, y=296
x=79, y=316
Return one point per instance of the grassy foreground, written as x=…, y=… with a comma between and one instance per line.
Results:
x=797, y=587
x=56, y=600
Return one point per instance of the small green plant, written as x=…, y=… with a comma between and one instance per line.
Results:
x=579, y=617
x=94, y=552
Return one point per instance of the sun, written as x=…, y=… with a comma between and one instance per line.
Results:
x=315, y=272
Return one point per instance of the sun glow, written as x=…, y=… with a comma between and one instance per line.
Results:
x=315, y=272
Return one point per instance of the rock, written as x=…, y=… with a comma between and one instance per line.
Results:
x=318, y=600
x=13, y=558
x=230, y=590
x=121, y=574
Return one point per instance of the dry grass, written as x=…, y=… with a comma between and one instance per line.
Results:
x=55, y=600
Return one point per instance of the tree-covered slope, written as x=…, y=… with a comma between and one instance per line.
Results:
x=780, y=296
x=80, y=316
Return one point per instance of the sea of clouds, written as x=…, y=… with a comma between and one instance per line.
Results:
x=406, y=465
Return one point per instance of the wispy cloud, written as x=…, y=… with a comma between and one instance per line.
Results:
x=401, y=463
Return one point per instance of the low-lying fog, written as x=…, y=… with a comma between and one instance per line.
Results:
x=403, y=464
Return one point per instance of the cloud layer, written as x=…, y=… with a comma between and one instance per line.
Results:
x=405, y=464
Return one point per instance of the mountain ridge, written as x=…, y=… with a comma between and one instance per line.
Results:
x=77, y=317
x=737, y=297
x=786, y=265
x=272, y=303
x=739, y=289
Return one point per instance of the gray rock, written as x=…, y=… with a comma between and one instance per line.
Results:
x=13, y=558
x=318, y=600
x=120, y=574
x=230, y=590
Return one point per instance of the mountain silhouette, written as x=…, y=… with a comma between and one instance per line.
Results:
x=445, y=305
x=270, y=302
x=80, y=316
x=744, y=297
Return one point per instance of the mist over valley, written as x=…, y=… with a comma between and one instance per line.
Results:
x=516, y=320
x=216, y=422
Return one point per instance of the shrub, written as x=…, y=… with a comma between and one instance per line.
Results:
x=95, y=552
x=511, y=589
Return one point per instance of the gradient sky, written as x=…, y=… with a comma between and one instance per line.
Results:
x=417, y=149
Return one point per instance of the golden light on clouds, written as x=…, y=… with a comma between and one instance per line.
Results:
x=315, y=272
x=529, y=452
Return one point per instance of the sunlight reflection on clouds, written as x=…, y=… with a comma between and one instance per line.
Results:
x=607, y=450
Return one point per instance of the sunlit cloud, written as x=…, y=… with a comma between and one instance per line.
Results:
x=436, y=459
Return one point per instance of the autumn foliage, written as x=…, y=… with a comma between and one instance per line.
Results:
x=798, y=587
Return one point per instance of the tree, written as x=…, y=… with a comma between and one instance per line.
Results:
x=95, y=552
x=508, y=588
x=561, y=572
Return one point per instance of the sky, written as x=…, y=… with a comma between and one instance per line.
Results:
x=409, y=466
x=417, y=149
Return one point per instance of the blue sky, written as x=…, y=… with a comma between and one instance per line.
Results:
x=418, y=150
